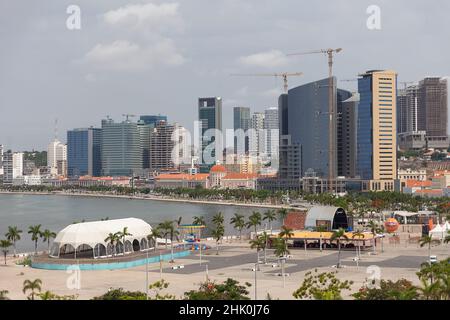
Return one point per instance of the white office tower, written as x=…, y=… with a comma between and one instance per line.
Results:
x=17, y=165
x=271, y=127
x=56, y=152
x=256, y=135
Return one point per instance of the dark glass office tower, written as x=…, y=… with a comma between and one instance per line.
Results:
x=241, y=121
x=153, y=119
x=210, y=117
x=84, y=152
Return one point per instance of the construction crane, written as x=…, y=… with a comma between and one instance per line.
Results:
x=127, y=116
x=283, y=75
x=406, y=83
x=331, y=108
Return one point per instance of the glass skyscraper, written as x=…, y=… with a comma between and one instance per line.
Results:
x=153, y=119
x=241, y=121
x=121, y=148
x=84, y=152
x=210, y=117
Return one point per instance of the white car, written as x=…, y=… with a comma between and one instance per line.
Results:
x=433, y=259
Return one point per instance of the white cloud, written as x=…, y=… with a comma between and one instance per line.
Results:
x=272, y=93
x=272, y=58
x=123, y=55
x=157, y=17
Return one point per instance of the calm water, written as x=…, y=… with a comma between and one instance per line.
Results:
x=56, y=212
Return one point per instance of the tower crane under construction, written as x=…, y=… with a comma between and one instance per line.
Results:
x=283, y=75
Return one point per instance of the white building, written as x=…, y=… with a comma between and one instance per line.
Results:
x=271, y=127
x=1, y=159
x=12, y=166
x=31, y=180
x=256, y=134
x=409, y=174
x=56, y=151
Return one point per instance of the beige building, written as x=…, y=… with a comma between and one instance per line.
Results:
x=409, y=174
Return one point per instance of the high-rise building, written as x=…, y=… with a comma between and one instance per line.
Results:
x=402, y=111
x=210, y=118
x=377, y=132
x=1, y=159
x=152, y=119
x=346, y=128
x=84, y=152
x=12, y=166
x=257, y=146
x=241, y=124
x=144, y=141
x=432, y=110
x=304, y=117
x=169, y=147
x=411, y=109
x=56, y=151
x=121, y=148
x=271, y=128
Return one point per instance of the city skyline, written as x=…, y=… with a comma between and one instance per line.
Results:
x=70, y=81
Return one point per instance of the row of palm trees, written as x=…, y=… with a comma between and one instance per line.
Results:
x=13, y=235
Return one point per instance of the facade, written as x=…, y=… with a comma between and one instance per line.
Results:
x=376, y=131
x=144, y=142
x=84, y=152
x=169, y=147
x=432, y=106
x=411, y=109
x=152, y=120
x=410, y=174
x=56, y=151
x=182, y=180
x=402, y=111
x=1, y=160
x=210, y=118
x=346, y=134
x=12, y=166
x=412, y=140
x=271, y=127
x=241, y=124
x=121, y=149
x=257, y=135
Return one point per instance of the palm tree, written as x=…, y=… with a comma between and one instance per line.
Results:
x=426, y=240
x=173, y=233
x=358, y=234
x=281, y=251
x=218, y=233
x=338, y=235
x=238, y=222
x=447, y=238
x=36, y=233
x=122, y=234
x=270, y=216
x=218, y=218
x=286, y=233
x=47, y=235
x=47, y=295
x=254, y=221
x=3, y=294
x=112, y=239
x=282, y=214
x=32, y=286
x=199, y=221
x=13, y=235
x=4, y=245
x=154, y=235
x=260, y=243
x=373, y=226
x=165, y=229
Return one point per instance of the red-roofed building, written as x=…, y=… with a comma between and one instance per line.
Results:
x=182, y=180
x=240, y=180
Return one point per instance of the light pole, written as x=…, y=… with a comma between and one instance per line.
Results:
x=160, y=265
x=256, y=270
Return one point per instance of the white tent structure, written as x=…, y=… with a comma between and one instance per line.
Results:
x=87, y=239
x=438, y=232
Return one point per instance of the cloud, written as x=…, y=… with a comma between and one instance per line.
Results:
x=122, y=55
x=272, y=58
x=272, y=93
x=157, y=17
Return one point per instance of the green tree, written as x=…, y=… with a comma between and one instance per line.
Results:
x=165, y=227
x=4, y=245
x=113, y=238
x=36, y=233
x=339, y=235
x=260, y=243
x=286, y=233
x=122, y=235
x=199, y=221
x=388, y=290
x=47, y=235
x=153, y=237
x=228, y=290
x=120, y=294
x=373, y=227
x=217, y=234
x=33, y=286
x=254, y=221
x=13, y=235
x=238, y=222
x=322, y=286
x=282, y=214
x=270, y=216
x=3, y=295
x=426, y=241
x=358, y=234
x=157, y=288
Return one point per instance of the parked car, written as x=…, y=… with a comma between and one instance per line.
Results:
x=433, y=259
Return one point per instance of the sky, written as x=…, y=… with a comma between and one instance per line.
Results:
x=159, y=57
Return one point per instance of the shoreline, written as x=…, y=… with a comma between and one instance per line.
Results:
x=152, y=198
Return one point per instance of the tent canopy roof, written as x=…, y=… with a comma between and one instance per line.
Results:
x=92, y=233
